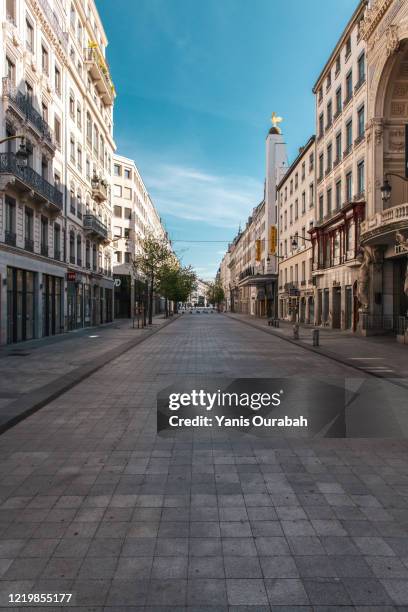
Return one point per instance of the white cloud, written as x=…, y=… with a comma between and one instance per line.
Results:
x=189, y=193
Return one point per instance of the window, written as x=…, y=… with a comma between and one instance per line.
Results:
x=291, y=214
x=303, y=202
x=79, y=116
x=44, y=111
x=338, y=65
x=329, y=113
x=44, y=167
x=311, y=162
x=96, y=140
x=72, y=200
x=44, y=235
x=349, y=187
x=11, y=11
x=311, y=195
x=72, y=149
x=296, y=180
x=79, y=250
x=127, y=193
x=29, y=92
x=117, y=170
x=338, y=195
x=79, y=158
x=349, y=85
x=328, y=82
x=338, y=101
x=128, y=173
x=57, y=241
x=321, y=206
x=329, y=201
x=117, y=231
x=57, y=81
x=349, y=135
x=361, y=69
x=321, y=125
x=29, y=228
x=126, y=232
x=72, y=17
x=117, y=211
x=117, y=191
x=291, y=186
x=11, y=71
x=361, y=122
x=128, y=213
x=127, y=257
x=89, y=129
x=71, y=105
x=29, y=35
x=10, y=220
x=303, y=271
x=329, y=157
x=303, y=171
x=88, y=169
x=79, y=33
x=360, y=178
x=320, y=166
x=320, y=95
x=348, y=47
x=118, y=257
x=45, y=61
x=338, y=147
x=296, y=209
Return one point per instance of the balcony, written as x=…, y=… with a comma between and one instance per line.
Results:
x=359, y=84
x=385, y=224
x=10, y=238
x=99, y=71
x=57, y=254
x=347, y=151
x=336, y=161
x=95, y=227
x=328, y=170
x=29, y=244
x=53, y=20
x=99, y=189
x=337, y=113
x=347, y=100
x=23, y=106
x=27, y=179
x=359, y=139
x=44, y=250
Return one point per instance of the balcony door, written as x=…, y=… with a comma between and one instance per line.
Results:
x=20, y=305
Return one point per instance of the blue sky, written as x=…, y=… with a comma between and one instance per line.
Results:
x=197, y=82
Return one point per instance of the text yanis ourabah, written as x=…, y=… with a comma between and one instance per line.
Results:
x=209, y=401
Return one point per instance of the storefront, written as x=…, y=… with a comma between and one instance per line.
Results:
x=20, y=305
x=52, y=290
x=74, y=301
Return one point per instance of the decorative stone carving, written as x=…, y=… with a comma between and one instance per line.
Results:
x=398, y=109
x=400, y=90
x=365, y=259
x=401, y=240
x=372, y=17
x=392, y=41
x=396, y=140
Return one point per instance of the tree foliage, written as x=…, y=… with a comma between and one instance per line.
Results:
x=215, y=293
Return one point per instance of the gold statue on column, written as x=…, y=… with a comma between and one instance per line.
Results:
x=275, y=121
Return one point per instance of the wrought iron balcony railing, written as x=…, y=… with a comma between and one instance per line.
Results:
x=30, y=179
x=10, y=238
x=95, y=226
x=53, y=19
x=24, y=105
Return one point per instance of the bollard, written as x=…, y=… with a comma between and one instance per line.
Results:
x=296, y=331
x=316, y=337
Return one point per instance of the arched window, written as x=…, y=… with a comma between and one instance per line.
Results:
x=72, y=246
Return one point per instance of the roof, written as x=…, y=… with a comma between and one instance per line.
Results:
x=354, y=18
x=293, y=165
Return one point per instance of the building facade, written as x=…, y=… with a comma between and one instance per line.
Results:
x=341, y=109
x=296, y=217
x=55, y=214
x=249, y=269
x=134, y=217
x=383, y=279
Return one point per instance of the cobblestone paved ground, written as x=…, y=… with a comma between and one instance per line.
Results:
x=93, y=502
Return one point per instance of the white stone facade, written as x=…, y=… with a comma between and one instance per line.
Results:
x=55, y=216
x=296, y=216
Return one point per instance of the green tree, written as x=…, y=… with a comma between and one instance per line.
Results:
x=215, y=293
x=176, y=282
x=155, y=254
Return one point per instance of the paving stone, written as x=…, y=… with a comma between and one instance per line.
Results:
x=366, y=592
x=287, y=592
x=210, y=567
x=246, y=592
x=242, y=567
x=279, y=567
x=204, y=592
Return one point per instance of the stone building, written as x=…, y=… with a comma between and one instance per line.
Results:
x=55, y=214
x=383, y=280
x=296, y=217
x=134, y=217
x=341, y=108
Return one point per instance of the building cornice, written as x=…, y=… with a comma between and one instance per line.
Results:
x=373, y=17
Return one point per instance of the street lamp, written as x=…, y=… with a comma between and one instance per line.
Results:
x=295, y=240
x=22, y=153
x=386, y=186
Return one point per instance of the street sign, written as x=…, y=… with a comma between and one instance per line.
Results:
x=71, y=276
